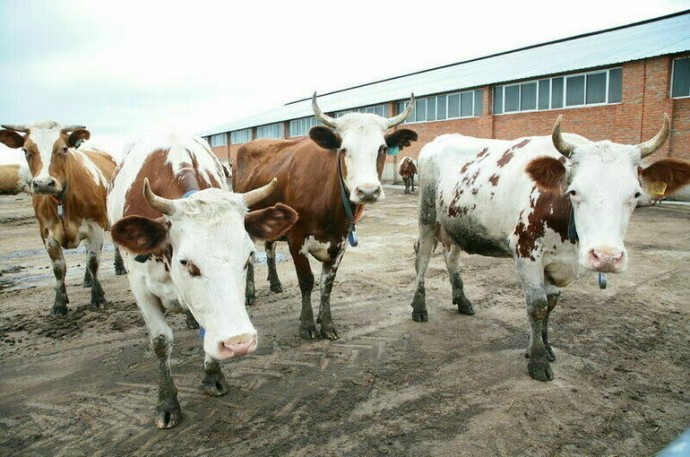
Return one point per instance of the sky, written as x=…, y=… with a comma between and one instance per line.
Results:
x=124, y=67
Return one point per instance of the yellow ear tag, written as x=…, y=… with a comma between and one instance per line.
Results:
x=657, y=188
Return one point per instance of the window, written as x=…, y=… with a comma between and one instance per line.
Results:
x=447, y=106
x=241, y=136
x=219, y=139
x=300, y=127
x=270, y=130
x=593, y=88
x=680, y=85
x=379, y=110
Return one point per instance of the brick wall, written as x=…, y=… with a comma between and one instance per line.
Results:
x=645, y=97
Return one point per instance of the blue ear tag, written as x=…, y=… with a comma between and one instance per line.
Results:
x=202, y=332
x=393, y=151
x=352, y=238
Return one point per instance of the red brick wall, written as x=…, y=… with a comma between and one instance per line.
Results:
x=645, y=97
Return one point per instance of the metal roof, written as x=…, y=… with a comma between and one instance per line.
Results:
x=652, y=38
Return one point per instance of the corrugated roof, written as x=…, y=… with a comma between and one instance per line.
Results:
x=652, y=38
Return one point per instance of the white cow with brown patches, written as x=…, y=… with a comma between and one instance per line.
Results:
x=516, y=198
x=69, y=185
x=188, y=246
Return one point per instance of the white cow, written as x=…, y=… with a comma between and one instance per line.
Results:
x=516, y=198
x=187, y=242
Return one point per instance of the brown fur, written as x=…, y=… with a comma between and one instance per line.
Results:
x=10, y=180
x=675, y=173
x=548, y=173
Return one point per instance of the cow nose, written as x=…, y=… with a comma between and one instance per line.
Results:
x=368, y=193
x=238, y=345
x=606, y=260
x=44, y=185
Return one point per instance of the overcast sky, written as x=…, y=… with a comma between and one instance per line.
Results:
x=125, y=67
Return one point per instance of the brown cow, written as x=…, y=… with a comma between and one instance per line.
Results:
x=407, y=169
x=309, y=181
x=12, y=179
x=69, y=189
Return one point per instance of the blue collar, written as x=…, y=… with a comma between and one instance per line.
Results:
x=189, y=193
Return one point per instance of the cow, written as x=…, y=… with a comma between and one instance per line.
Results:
x=68, y=187
x=327, y=178
x=186, y=242
x=559, y=205
x=407, y=169
x=14, y=178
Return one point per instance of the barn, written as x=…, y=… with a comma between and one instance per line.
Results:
x=610, y=84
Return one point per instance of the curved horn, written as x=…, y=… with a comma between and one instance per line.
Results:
x=655, y=143
x=559, y=142
x=253, y=197
x=161, y=204
x=16, y=128
x=400, y=118
x=71, y=128
x=326, y=120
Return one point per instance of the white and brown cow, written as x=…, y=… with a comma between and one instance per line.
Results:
x=407, y=169
x=69, y=186
x=516, y=198
x=187, y=247
x=327, y=178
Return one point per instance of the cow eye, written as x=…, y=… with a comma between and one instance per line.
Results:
x=183, y=262
x=27, y=153
x=638, y=194
x=572, y=192
x=64, y=150
x=343, y=151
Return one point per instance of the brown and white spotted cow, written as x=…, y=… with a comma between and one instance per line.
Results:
x=69, y=186
x=309, y=181
x=516, y=198
x=187, y=248
x=407, y=169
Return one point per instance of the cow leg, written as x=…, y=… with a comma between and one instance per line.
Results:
x=168, y=411
x=59, y=270
x=451, y=254
x=328, y=272
x=273, y=278
x=531, y=274
x=93, y=249
x=307, y=327
x=406, y=180
x=423, y=248
x=88, y=282
x=118, y=262
x=214, y=383
x=552, y=295
x=412, y=182
x=250, y=292
x=190, y=320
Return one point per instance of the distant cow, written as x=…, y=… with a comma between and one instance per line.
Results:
x=14, y=178
x=187, y=247
x=327, y=178
x=557, y=204
x=69, y=188
x=407, y=169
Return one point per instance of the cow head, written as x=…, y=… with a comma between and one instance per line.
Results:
x=205, y=241
x=46, y=147
x=361, y=140
x=604, y=182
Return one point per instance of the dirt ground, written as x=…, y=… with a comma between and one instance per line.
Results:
x=86, y=384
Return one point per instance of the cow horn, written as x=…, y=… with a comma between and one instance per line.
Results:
x=253, y=197
x=16, y=128
x=160, y=204
x=559, y=142
x=326, y=120
x=400, y=118
x=72, y=128
x=655, y=143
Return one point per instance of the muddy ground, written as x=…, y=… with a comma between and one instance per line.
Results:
x=86, y=384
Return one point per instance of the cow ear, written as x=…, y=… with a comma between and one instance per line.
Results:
x=668, y=174
x=140, y=235
x=325, y=137
x=548, y=173
x=11, y=139
x=401, y=138
x=270, y=223
x=76, y=137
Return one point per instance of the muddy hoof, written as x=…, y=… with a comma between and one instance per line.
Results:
x=420, y=316
x=57, y=311
x=249, y=300
x=541, y=371
x=277, y=287
x=97, y=303
x=464, y=306
x=308, y=333
x=120, y=270
x=215, y=386
x=168, y=414
x=329, y=333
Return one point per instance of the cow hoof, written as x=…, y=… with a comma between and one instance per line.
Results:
x=541, y=371
x=420, y=316
x=98, y=303
x=329, y=333
x=120, y=270
x=464, y=306
x=278, y=288
x=215, y=387
x=168, y=415
x=308, y=333
x=58, y=311
x=550, y=356
x=249, y=301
